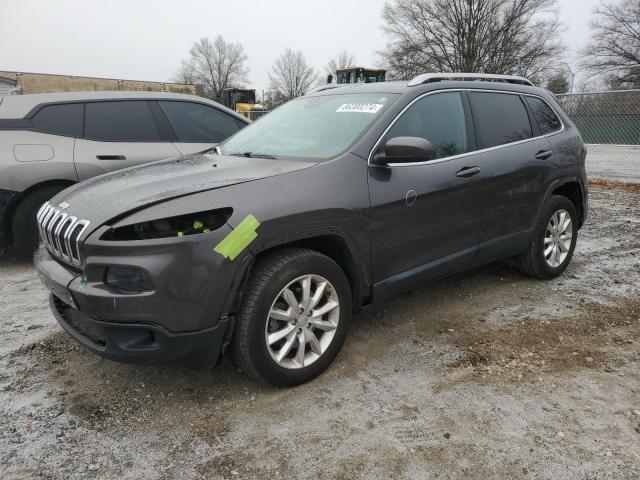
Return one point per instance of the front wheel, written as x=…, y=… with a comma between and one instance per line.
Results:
x=293, y=319
x=554, y=240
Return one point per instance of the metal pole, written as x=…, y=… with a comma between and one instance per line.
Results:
x=573, y=75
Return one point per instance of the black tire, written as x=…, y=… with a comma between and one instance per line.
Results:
x=23, y=222
x=269, y=276
x=533, y=262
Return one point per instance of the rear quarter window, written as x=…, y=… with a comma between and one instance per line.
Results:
x=499, y=118
x=547, y=119
x=62, y=119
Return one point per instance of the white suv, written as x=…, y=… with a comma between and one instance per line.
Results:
x=50, y=141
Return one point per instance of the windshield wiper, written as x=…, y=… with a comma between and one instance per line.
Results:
x=258, y=155
x=249, y=155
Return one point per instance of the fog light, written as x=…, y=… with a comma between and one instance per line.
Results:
x=129, y=279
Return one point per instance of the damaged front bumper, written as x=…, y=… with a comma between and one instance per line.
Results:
x=139, y=343
x=122, y=327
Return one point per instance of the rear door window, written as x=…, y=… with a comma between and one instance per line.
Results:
x=547, y=119
x=120, y=121
x=438, y=118
x=195, y=122
x=61, y=119
x=499, y=118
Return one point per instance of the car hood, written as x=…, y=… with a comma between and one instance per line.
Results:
x=112, y=195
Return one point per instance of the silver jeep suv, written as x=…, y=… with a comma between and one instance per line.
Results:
x=50, y=141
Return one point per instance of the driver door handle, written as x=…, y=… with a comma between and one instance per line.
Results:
x=468, y=172
x=111, y=157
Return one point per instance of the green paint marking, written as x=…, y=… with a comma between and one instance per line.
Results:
x=197, y=225
x=82, y=285
x=180, y=234
x=239, y=239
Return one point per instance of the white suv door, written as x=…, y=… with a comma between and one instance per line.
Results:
x=119, y=134
x=198, y=126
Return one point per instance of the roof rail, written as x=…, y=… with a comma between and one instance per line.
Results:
x=328, y=86
x=487, y=77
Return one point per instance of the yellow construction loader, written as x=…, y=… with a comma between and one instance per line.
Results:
x=244, y=102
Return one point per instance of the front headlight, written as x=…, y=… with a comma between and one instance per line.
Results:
x=180, y=226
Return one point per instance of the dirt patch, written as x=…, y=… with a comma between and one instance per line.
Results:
x=631, y=187
x=530, y=346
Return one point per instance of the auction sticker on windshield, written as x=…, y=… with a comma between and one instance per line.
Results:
x=360, y=108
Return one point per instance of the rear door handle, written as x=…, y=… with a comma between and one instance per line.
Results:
x=111, y=157
x=468, y=172
x=544, y=154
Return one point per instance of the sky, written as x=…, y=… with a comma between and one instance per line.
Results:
x=145, y=40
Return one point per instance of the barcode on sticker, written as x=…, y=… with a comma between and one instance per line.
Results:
x=360, y=108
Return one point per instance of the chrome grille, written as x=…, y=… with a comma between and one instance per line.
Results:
x=61, y=233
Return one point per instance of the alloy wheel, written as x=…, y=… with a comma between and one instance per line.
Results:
x=558, y=238
x=302, y=322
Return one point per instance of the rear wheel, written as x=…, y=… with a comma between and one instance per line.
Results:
x=294, y=317
x=24, y=226
x=554, y=240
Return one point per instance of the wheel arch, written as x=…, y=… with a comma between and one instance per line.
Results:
x=329, y=242
x=8, y=218
x=571, y=188
x=574, y=192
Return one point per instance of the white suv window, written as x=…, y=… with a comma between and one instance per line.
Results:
x=120, y=121
x=62, y=119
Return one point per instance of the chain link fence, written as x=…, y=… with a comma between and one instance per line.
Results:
x=610, y=125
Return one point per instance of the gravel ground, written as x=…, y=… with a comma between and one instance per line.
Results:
x=484, y=375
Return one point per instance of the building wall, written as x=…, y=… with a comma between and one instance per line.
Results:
x=45, y=83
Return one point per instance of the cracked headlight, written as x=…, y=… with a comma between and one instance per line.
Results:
x=179, y=226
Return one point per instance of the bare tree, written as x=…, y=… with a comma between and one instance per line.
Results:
x=403, y=62
x=216, y=65
x=491, y=36
x=290, y=76
x=614, y=50
x=342, y=60
x=186, y=73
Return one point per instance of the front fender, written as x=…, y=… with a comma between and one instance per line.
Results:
x=356, y=264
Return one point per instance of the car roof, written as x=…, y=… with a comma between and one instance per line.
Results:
x=17, y=106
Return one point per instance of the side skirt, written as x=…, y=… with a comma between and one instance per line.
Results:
x=420, y=275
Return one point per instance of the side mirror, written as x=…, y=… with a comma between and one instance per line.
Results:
x=404, y=150
x=329, y=78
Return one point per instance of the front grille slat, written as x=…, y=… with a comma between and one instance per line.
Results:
x=61, y=233
x=45, y=223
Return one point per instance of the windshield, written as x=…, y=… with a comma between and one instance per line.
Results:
x=310, y=127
